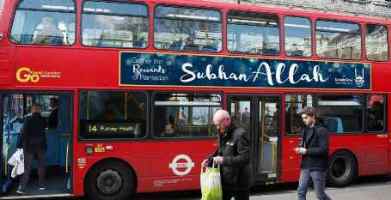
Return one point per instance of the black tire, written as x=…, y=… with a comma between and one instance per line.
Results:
x=342, y=169
x=110, y=180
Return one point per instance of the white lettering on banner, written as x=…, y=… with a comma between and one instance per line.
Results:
x=172, y=70
x=209, y=74
x=140, y=73
x=263, y=70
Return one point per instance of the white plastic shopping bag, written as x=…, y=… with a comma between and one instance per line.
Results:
x=210, y=181
x=17, y=162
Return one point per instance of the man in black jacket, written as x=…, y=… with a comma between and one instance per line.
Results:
x=314, y=150
x=233, y=155
x=34, y=144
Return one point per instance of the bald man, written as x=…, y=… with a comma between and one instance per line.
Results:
x=233, y=155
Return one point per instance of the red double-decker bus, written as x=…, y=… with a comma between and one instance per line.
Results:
x=129, y=89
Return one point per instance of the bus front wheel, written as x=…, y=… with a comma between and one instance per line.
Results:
x=110, y=180
x=342, y=170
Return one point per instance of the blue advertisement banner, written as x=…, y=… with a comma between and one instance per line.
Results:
x=217, y=71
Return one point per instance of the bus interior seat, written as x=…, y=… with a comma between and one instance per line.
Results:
x=334, y=124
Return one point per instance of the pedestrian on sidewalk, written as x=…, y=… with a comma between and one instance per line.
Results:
x=233, y=156
x=314, y=150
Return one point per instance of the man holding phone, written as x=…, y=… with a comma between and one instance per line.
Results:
x=314, y=150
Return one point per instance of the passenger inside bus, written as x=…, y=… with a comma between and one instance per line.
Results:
x=169, y=129
x=181, y=118
x=293, y=124
x=176, y=45
x=46, y=32
x=108, y=114
x=211, y=46
x=245, y=116
x=53, y=117
x=190, y=45
x=295, y=51
x=139, y=41
x=376, y=116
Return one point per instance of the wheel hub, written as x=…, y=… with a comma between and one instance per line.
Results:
x=109, y=182
x=341, y=167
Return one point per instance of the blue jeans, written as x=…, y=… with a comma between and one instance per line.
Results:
x=319, y=181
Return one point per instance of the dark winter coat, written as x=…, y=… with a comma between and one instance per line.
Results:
x=33, y=132
x=234, y=147
x=316, y=141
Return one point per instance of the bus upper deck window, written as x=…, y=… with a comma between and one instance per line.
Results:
x=297, y=36
x=44, y=22
x=109, y=24
x=376, y=42
x=253, y=33
x=187, y=29
x=338, y=40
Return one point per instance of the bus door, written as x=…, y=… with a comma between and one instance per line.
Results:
x=260, y=115
x=12, y=121
x=2, y=158
x=56, y=109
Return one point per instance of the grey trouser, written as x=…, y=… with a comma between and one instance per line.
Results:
x=238, y=195
x=39, y=153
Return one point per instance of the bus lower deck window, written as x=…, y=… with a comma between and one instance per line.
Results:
x=107, y=114
x=341, y=113
x=376, y=113
x=183, y=115
x=294, y=105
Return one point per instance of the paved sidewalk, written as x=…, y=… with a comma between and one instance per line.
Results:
x=371, y=192
x=372, y=188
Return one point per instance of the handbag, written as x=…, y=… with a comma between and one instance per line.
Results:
x=17, y=163
x=210, y=180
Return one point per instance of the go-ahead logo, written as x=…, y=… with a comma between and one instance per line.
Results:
x=181, y=165
x=25, y=74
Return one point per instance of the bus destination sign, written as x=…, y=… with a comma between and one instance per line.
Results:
x=192, y=70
